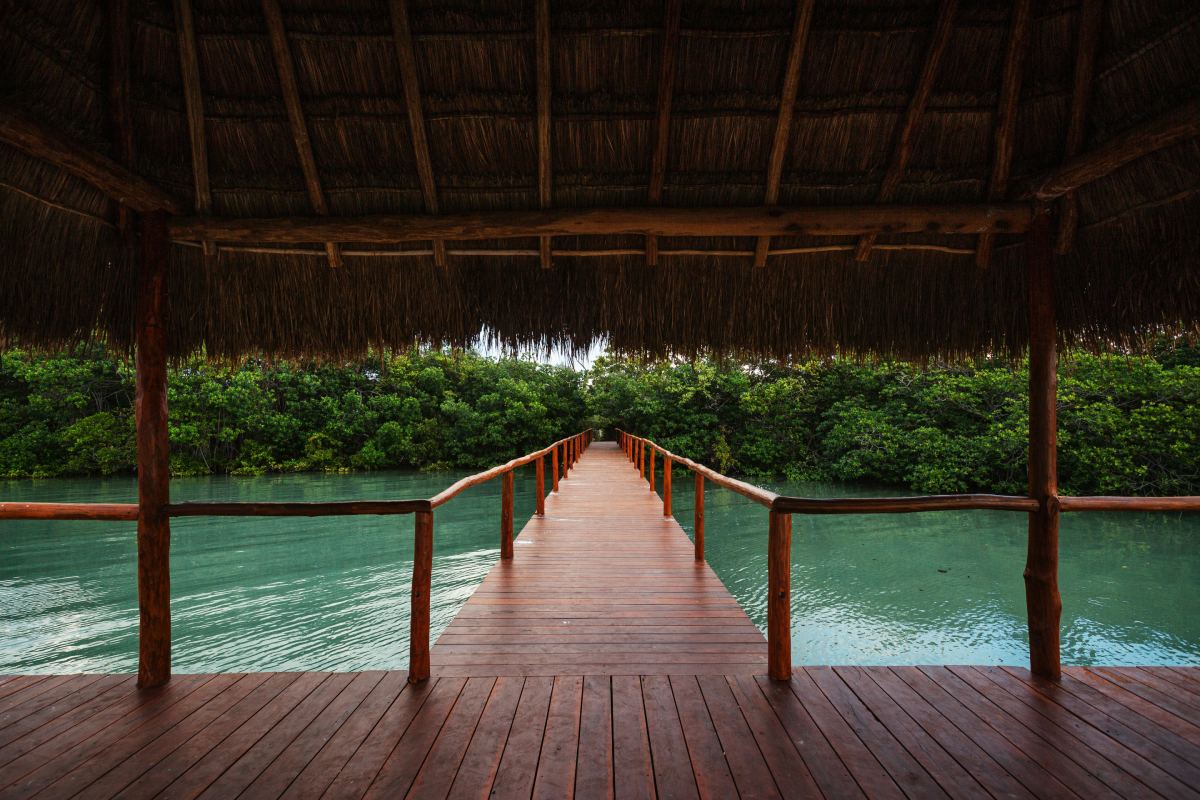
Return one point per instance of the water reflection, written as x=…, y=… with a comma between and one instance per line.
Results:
x=333, y=593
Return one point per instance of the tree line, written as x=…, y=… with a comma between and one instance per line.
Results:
x=1127, y=424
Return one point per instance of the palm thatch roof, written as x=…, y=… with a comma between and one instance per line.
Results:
x=528, y=104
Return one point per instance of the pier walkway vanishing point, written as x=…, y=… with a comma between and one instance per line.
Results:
x=605, y=660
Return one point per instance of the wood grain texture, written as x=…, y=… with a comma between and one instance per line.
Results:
x=668, y=56
x=193, y=105
x=1087, y=42
x=748, y=221
x=544, y=156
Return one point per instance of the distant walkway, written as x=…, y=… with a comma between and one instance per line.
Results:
x=604, y=584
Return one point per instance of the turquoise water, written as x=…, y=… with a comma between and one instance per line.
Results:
x=333, y=593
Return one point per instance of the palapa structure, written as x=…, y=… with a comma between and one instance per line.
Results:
x=778, y=177
x=310, y=111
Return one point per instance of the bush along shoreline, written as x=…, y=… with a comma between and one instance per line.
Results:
x=1127, y=424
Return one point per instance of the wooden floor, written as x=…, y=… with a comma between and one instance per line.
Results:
x=603, y=583
x=603, y=661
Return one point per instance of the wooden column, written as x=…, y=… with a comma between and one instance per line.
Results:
x=554, y=469
x=650, y=469
x=698, y=517
x=422, y=579
x=779, y=597
x=666, y=486
x=541, y=486
x=642, y=459
x=1041, y=567
x=566, y=467
x=506, y=515
x=153, y=457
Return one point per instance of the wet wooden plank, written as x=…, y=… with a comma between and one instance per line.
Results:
x=709, y=768
x=518, y=765
x=560, y=742
x=441, y=765
x=673, y=775
x=594, y=773
x=751, y=774
x=477, y=771
x=632, y=767
x=401, y=767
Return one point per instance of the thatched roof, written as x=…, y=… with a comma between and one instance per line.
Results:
x=1132, y=266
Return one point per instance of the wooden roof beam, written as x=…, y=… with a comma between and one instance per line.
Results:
x=787, y=110
x=193, y=103
x=406, y=54
x=662, y=120
x=1178, y=125
x=120, y=112
x=29, y=136
x=545, y=184
x=1090, y=17
x=1006, y=116
x=295, y=112
x=760, y=221
x=942, y=28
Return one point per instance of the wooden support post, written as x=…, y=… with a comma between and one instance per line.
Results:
x=1041, y=567
x=506, y=515
x=153, y=458
x=779, y=597
x=650, y=469
x=698, y=518
x=541, y=486
x=642, y=459
x=554, y=469
x=422, y=580
x=666, y=486
x=566, y=464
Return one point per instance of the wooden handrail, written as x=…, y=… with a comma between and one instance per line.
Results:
x=1099, y=503
x=903, y=505
x=759, y=495
x=458, y=487
x=331, y=509
x=108, y=512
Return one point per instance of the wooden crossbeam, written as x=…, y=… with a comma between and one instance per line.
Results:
x=764, y=221
x=120, y=113
x=787, y=109
x=23, y=132
x=662, y=120
x=545, y=181
x=942, y=28
x=1006, y=116
x=295, y=112
x=416, y=115
x=1175, y=126
x=193, y=103
x=1090, y=16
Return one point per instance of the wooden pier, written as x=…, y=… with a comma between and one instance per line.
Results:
x=605, y=660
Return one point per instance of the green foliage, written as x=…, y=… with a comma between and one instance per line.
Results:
x=1127, y=424
x=72, y=414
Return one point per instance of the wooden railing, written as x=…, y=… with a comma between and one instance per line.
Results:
x=563, y=455
x=642, y=451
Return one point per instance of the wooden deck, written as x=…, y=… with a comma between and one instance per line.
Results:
x=603, y=583
x=604, y=661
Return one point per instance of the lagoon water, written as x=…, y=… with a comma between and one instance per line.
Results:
x=332, y=593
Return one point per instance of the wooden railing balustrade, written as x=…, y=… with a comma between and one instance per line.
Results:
x=641, y=451
x=154, y=642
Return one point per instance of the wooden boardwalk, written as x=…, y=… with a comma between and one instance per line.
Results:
x=603, y=583
x=603, y=661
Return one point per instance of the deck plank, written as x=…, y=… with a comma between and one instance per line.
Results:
x=477, y=771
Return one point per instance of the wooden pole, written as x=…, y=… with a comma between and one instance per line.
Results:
x=1041, y=567
x=506, y=516
x=666, y=487
x=541, y=486
x=153, y=458
x=422, y=579
x=554, y=469
x=650, y=469
x=779, y=597
x=698, y=517
x=642, y=459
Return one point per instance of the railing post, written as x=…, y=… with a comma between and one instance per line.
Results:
x=422, y=579
x=566, y=465
x=666, y=486
x=779, y=597
x=642, y=459
x=1042, y=600
x=506, y=515
x=541, y=486
x=153, y=457
x=651, y=468
x=698, y=517
x=554, y=468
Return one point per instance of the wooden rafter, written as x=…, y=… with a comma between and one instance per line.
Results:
x=1090, y=15
x=416, y=115
x=291, y=100
x=787, y=108
x=545, y=197
x=763, y=221
x=29, y=136
x=1006, y=115
x=662, y=120
x=193, y=102
x=119, y=110
x=1178, y=125
x=942, y=28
